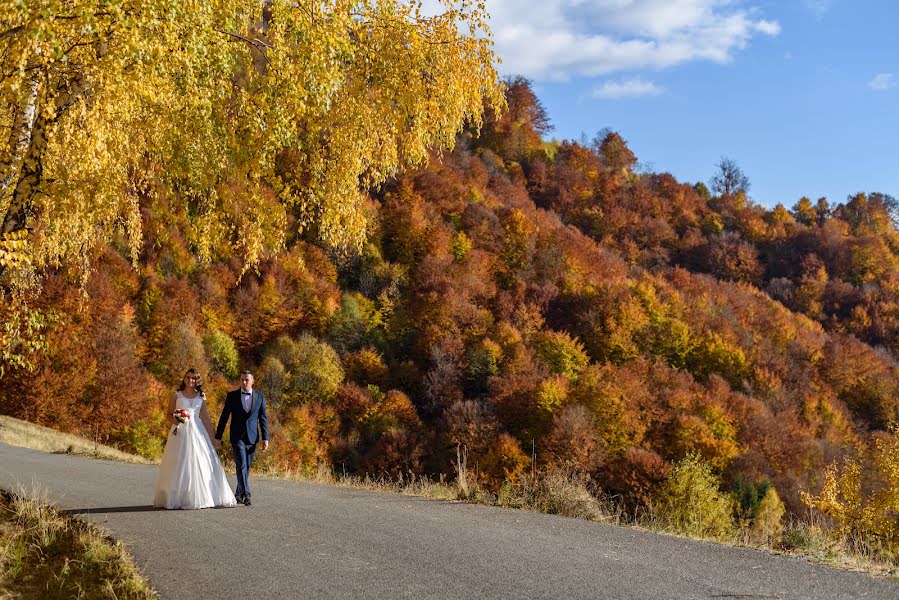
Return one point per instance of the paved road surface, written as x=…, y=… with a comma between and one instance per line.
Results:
x=302, y=540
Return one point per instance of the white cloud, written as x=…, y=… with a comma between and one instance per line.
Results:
x=558, y=39
x=771, y=28
x=629, y=88
x=882, y=82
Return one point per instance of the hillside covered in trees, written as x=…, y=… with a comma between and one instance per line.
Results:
x=541, y=304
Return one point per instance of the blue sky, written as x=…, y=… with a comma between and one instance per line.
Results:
x=803, y=94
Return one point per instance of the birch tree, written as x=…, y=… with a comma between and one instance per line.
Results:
x=251, y=115
x=301, y=105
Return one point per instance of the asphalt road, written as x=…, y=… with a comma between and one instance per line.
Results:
x=302, y=540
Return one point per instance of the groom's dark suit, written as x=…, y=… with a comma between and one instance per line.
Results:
x=245, y=430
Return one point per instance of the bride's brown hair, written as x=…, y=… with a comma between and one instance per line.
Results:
x=189, y=371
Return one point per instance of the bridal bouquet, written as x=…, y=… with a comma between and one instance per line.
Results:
x=181, y=416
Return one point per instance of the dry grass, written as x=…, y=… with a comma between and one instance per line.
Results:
x=410, y=486
x=46, y=554
x=15, y=432
x=557, y=493
x=553, y=493
x=816, y=539
x=813, y=539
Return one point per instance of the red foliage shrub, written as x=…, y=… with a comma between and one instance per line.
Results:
x=572, y=442
x=634, y=476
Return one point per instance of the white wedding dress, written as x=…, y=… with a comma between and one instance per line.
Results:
x=191, y=475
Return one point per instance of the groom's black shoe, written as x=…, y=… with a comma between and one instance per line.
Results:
x=240, y=499
x=246, y=501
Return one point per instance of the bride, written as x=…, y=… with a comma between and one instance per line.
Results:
x=190, y=475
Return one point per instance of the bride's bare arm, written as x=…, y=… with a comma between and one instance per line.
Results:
x=172, y=401
x=204, y=416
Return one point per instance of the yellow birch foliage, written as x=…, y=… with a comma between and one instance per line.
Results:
x=313, y=102
x=874, y=516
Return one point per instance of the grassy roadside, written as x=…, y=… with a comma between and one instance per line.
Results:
x=15, y=432
x=47, y=554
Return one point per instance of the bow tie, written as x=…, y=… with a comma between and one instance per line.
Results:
x=245, y=393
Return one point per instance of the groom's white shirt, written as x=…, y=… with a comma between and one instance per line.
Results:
x=246, y=398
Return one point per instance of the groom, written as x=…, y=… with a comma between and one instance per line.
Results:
x=246, y=407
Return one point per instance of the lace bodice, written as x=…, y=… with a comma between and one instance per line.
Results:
x=192, y=405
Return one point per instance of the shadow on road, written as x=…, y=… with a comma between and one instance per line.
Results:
x=111, y=509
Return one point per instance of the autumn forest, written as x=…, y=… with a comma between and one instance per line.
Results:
x=542, y=305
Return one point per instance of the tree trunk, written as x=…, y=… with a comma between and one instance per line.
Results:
x=266, y=15
x=30, y=169
x=31, y=172
x=19, y=142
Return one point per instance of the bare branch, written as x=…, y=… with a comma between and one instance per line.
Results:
x=256, y=43
x=11, y=32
